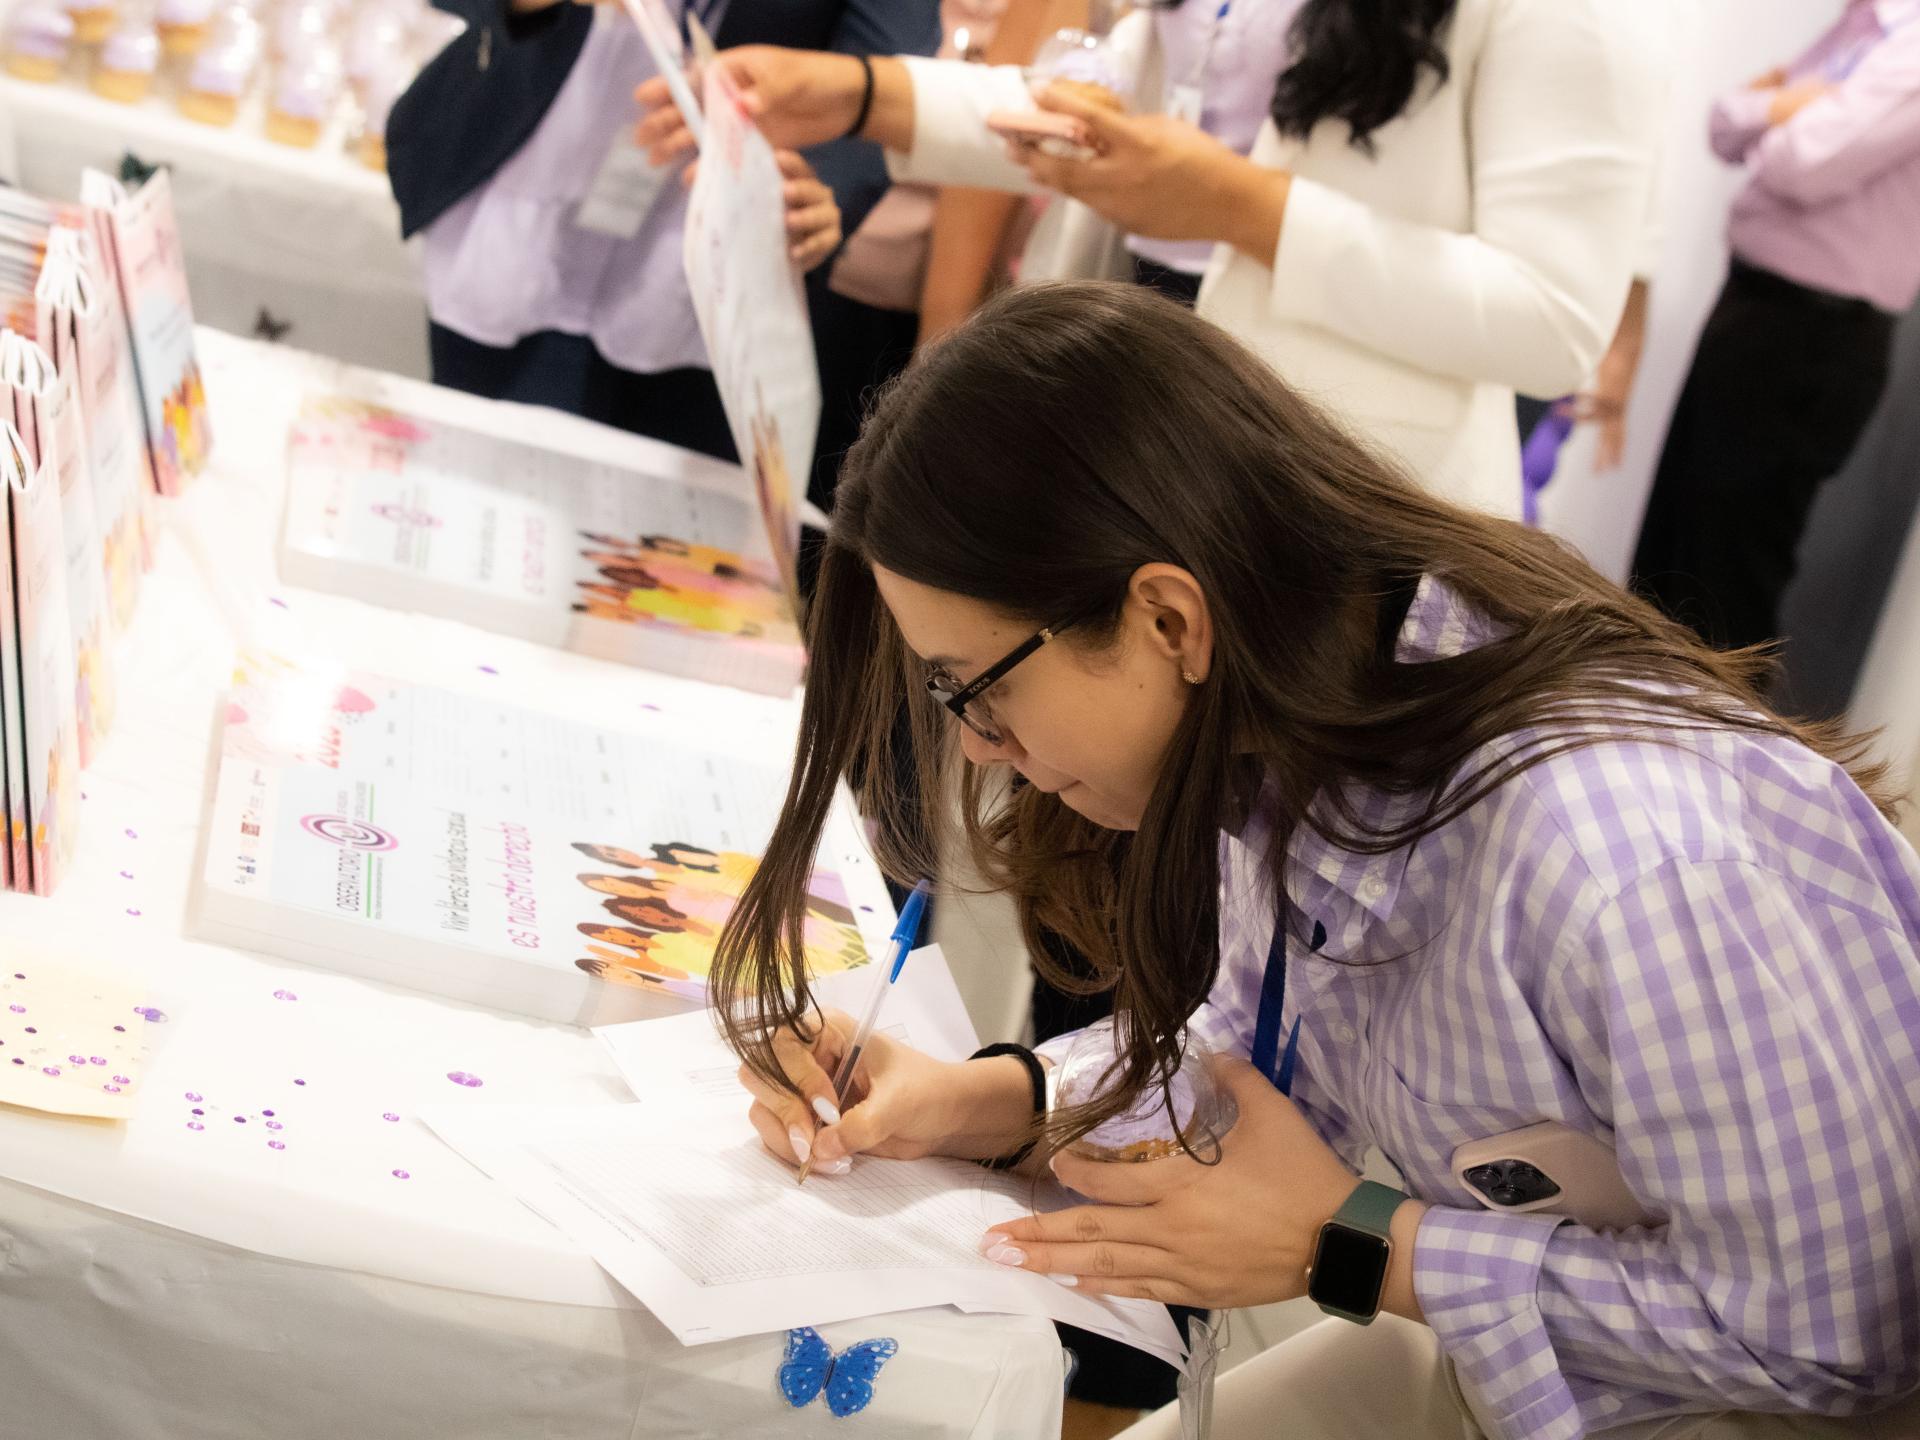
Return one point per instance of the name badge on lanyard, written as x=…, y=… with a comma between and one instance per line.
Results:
x=1187, y=99
x=1268, y=1058
x=624, y=190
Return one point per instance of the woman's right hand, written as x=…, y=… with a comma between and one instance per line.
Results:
x=797, y=97
x=903, y=1104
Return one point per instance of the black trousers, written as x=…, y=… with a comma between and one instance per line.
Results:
x=1783, y=383
x=567, y=372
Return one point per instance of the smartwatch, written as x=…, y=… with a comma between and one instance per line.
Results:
x=1349, y=1268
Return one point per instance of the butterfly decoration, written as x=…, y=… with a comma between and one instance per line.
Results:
x=811, y=1366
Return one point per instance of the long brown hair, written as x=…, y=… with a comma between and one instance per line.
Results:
x=1033, y=461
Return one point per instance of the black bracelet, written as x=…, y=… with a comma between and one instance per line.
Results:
x=866, y=98
x=1036, y=1077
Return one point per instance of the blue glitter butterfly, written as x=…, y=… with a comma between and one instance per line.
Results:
x=811, y=1366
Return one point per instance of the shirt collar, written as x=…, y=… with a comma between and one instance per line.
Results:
x=1439, y=625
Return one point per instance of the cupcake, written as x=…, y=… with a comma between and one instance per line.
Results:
x=124, y=71
x=38, y=37
x=299, y=27
x=217, y=81
x=92, y=22
x=304, y=95
x=183, y=26
x=378, y=90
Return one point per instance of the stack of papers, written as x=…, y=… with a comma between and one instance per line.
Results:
x=676, y=1198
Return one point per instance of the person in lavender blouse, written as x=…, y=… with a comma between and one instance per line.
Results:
x=1794, y=357
x=1432, y=835
x=534, y=294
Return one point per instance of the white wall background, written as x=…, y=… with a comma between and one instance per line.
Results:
x=1717, y=45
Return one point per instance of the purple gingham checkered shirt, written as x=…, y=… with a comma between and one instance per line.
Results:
x=1701, y=951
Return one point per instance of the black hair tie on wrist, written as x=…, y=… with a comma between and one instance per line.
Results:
x=866, y=98
x=1036, y=1077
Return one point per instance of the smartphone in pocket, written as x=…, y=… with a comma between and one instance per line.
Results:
x=1553, y=1168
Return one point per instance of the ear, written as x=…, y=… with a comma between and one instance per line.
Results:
x=1174, y=616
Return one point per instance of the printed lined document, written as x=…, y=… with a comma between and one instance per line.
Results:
x=678, y=1200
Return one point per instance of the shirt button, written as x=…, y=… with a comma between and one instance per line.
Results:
x=1345, y=1033
x=1372, y=888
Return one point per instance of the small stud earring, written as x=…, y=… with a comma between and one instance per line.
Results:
x=1189, y=677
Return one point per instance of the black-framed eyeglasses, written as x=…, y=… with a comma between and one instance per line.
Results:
x=968, y=702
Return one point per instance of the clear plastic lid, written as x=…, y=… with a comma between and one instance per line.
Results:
x=1203, y=1111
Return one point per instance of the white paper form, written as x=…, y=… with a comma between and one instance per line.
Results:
x=711, y=1233
x=684, y=1056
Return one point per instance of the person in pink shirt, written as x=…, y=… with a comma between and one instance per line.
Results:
x=1794, y=357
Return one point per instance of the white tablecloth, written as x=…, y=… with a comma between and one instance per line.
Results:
x=161, y=1282
x=310, y=237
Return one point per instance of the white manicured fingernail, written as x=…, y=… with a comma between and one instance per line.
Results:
x=1005, y=1254
x=841, y=1166
x=797, y=1138
x=828, y=1112
x=1067, y=1280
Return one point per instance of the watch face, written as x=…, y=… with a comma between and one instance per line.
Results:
x=1349, y=1270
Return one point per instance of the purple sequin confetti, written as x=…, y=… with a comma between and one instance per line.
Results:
x=276, y=600
x=132, y=834
x=195, y=1096
x=401, y=1175
x=18, y=976
x=488, y=670
x=133, y=912
x=285, y=995
x=18, y=1009
x=121, y=1028
x=195, y=1125
x=275, y=1125
x=198, y=1111
x=76, y=1059
x=391, y=1117
x=267, y=1113
x=299, y=1082
x=32, y=1031
x=121, y=1080
x=96, y=1060
x=19, y=1062
x=126, y=874
x=461, y=1077
x=150, y=1015
x=49, y=1069
x=111, y=1089
x=276, y=1144
x=239, y=1119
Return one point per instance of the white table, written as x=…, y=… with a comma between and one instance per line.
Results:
x=311, y=237
x=161, y=1284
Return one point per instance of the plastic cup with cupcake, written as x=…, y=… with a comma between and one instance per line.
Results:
x=123, y=71
x=1191, y=1115
x=93, y=21
x=222, y=72
x=305, y=93
x=183, y=26
x=38, y=39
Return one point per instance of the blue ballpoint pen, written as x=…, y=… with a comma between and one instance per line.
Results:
x=905, y=935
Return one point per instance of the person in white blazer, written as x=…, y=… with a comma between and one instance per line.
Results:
x=1479, y=243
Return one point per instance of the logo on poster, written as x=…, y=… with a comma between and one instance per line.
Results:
x=348, y=834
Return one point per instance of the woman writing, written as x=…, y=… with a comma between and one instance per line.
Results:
x=1508, y=847
x=1411, y=208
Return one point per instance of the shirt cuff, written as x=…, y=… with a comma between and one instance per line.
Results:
x=1320, y=224
x=951, y=142
x=1737, y=122
x=1477, y=1273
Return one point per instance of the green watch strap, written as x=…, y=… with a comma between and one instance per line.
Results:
x=1370, y=1208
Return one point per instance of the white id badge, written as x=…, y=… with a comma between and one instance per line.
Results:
x=623, y=191
x=1184, y=103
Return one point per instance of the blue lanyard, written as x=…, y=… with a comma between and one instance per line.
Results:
x=1267, y=1057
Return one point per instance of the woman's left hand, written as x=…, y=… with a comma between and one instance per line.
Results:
x=1158, y=177
x=1241, y=1232
x=813, y=217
